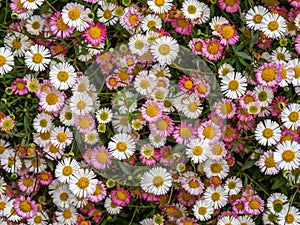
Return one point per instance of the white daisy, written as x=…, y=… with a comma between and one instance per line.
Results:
x=42, y=122
x=245, y=220
x=290, y=116
x=156, y=181
x=233, y=185
x=160, y=6
x=234, y=85
x=83, y=182
x=2, y=186
x=67, y=216
x=121, y=123
x=287, y=74
x=5, y=203
x=197, y=150
x=157, y=141
x=81, y=103
x=62, y=197
x=37, y=58
x=41, y=218
x=32, y=4
x=264, y=95
x=112, y=208
x=204, y=13
x=65, y=168
x=218, y=168
x=62, y=75
x=273, y=25
x=165, y=50
x=290, y=215
x=9, y=161
x=216, y=22
x=75, y=15
x=106, y=13
x=160, y=71
x=281, y=54
x=104, y=115
x=35, y=25
x=122, y=146
x=51, y=100
x=287, y=155
x=91, y=137
x=228, y=220
x=150, y=22
x=143, y=83
x=276, y=202
x=191, y=9
x=138, y=44
x=17, y=42
x=36, y=165
x=6, y=60
x=216, y=196
x=202, y=210
x=267, y=132
x=192, y=106
x=66, y=116
x=82, y=85
x=254, y=17
x=225, y=69
x=61, y=137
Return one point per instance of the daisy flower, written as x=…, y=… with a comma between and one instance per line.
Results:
x=151, y=22
x=228, y=219
x=287, y=155
x=228, y=34
x=84, y=123
x=41, y=218
x=104, y=115
x=75, y=15
x=6, y=60
x=100, y=157
x=202, y=210
x=130, y=20
x=82, y=182
x=290, y=215
x=209, y=131
x=184, y=133
x=159, y=6
x=267, y=132
x=81, y=103
x=35, y=25
x=66, y=216
x=121, y=146
x=62, y=76
x=106, y=14
x=25, y=207
x=112, y=208
x=37, y=58
x=65, y=168
x=226, y=109
x=234, y=85
x=99, y=193
x=216, y=22
x=95, y=34
x=163, y=126
x=212, y=49
x=191, y=9
x=58, y=27
x=254, y=17
x=143, y=83
x=32, y=4
x=138, y=44
x=9, y=161
x=61, y=137
x=18, y=42
x=264, y=95
x=62, y=197
x=225, y=69
x=192, y=106
x=230, y=6
x=193, y=185
x=280, y=54
x=42, y=123
x=216, y=197
x=196, y=44
x=295, y=63
x=120, y=196
x=165, y=50
x=196, y=150
x=254, y=205
x=66, y=116
x=273, y=25
x=151, y=110
x=290, y=116
x=276, y=202
x=19, y=87
x=233, y=185
x=156, y=181
x=216, y=168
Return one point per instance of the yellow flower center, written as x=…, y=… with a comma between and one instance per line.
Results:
x=102, y=157
x=193, y=106
x=44, y=176
x=254, y=204
x=144, y=84
x=294, y=116
x=121, y=146
x=289, y=218
x=198, y=46
x=20, y=85
x=121, y=195
x=159, y=3
x=51, y=98
x=209, y=132
x=194, y=184
x=74, y=14
x=138, y=44
x=95, y=32
x=297, y=71
x=164, y=49
x=53, y=149
x=152, y=110
x=270, y=162
x=197, y=150
x=123, y=75
x=231, y=185
x=233, y=85
x=273, y=25
x=112, y=81
x=28, y=182
x=268, y=74
x=158, y=181
x=43, y=123
x=81, y=105
x=227, y=32
x=188, y=84
x=202, y=210
x=25, y=206
x=103, y=116
x=257, y=18
x=61, y=25
x=84, y=123
x=38, y=219
x=19, y=4
x=2, y=205
x=62, y=137
x=248, y=99
x=162, y=124
x=185, y=132
x=262, y=96
x=230, y=2
x=107, y=14
x=216, y=167
x=64, y=196
x=36, y=25
x=98, y=190
x=67, y=214
x=151, y=24
x=16, y=44
x=288, y=155
x=217, y=149
x=45, y=136
x=83, y=182
x=182, y=22
x=215, y=196
x=268, y=133
x=133, y=19
x=192, y=9
x=67, y=170
x=226, y=108
x=63, y=76
x=37, y=58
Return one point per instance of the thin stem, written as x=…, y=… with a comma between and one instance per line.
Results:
x=257, y=184
x=133, y=216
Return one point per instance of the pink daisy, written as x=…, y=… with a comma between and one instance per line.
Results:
x=247, y=98
x=27, y=184
x=193, y=185
x=230, y=6
x=149, y=197
x=149, y=155
x=238, y=206
x=184, y=133
x=226, y=109
x=100, y=157
x=196, y=45
x=185, y=198
x=162, y=127
x=228, y=34
x=58, y=27
x=268, y=74
x=19, y=87
x=95, y=214
x=212, y=49
x=186, y=84
x=294, y=3
x=84, y=123
x=7, y=123
x=120, y=196
x=95, y=34
x=263, y=42
x=151, y=110
x=25, y=207
x=166, y=156
x=297, y=44
x=267, y=164
x=277, y=105
x=182, y=25
x=112, y=82
x=99, y=194
x=45, y=178
x=202, y=88
x=229, y=133
x=254, y=205
x=209, y=131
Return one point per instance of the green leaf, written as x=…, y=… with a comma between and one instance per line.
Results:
x=243, y=55
x=248, y=164
x=278, y=183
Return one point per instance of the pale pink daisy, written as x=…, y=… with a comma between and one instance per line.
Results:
x=212, y=49
x=100, y=157
x=229, y=6
x=184, y=133
x=151, y=110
